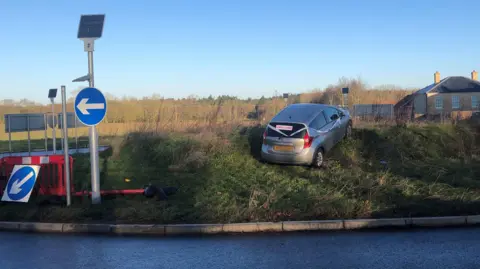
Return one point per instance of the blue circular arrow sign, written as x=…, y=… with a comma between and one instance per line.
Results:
x=21, y=183
x=90, y=106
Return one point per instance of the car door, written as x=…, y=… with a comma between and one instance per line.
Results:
x=322, y=132
x=332, y=116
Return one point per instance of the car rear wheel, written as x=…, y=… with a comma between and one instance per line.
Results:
x=318, y=158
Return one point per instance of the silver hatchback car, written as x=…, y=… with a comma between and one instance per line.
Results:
x=303, y=133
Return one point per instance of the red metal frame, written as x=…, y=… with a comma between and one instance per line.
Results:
x=111, y=192
x=51, y=178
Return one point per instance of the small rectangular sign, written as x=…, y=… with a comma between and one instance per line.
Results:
x=345, y=90
x=24, y=122
x=284, y=127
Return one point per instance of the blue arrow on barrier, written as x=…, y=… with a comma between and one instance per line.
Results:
x=21, y=183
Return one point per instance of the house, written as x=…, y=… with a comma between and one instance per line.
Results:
x=444, y=97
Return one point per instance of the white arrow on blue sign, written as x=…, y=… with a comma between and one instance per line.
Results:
x=21, y=183
x=90, y=106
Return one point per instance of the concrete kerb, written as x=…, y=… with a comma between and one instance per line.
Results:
x=315, y=225
x=86, y=228
x=9, y=226
x=374, y=223
x=258, y=227
x=40, y=227
x=189, y=229
x=254, y=227
x=473, y=220
x=137, y=229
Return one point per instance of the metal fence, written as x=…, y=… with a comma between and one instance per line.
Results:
x=382, y=111
x=16, y=123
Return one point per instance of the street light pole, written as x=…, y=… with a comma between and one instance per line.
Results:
x=94, y=169
x=53, y=128
x=52, y=93
x=90, y=29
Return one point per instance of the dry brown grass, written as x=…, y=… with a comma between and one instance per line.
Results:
x=204, y=115
x=359, y=93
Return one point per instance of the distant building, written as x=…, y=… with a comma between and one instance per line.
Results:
x=442, y=98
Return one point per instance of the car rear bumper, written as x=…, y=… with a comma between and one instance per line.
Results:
x=304, y=158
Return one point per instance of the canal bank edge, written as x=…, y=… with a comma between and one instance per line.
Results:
x=232, y=228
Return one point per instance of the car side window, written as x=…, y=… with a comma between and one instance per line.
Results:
x=331, y=114
x=318, y=122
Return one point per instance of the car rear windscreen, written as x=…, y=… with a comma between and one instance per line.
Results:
x=286, y=128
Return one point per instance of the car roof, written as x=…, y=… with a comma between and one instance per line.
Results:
x=301, y=113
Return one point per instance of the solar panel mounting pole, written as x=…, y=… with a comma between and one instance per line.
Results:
x=9, y=135
x=90, y=29
x=285, y=98
x=52, y=93
x=94, y=159
x=45, y=136
x=66, y=156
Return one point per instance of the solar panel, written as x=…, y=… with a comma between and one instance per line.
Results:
x=91, y=26
x=52, y=93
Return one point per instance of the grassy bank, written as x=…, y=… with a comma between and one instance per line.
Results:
x=395, y=171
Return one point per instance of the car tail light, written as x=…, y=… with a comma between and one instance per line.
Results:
x=307, y=141
x=264, y=137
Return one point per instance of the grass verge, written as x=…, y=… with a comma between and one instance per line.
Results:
x=411, y=171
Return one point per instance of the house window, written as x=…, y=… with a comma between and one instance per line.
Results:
x=455, y=102
x=474, y=102
x=438, y=102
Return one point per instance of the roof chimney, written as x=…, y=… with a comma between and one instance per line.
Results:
x=474, y=75
x=436, y=77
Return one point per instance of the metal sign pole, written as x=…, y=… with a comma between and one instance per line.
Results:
x=76, y=134
x=285, y=98
x=62, y=136
x=28, y=135
x=65, y=145
x=9, y=135
x=94, y=159
x=52, y=93
x=90, y=29
x=345, y=97
x=53, y=129
x=45, y=136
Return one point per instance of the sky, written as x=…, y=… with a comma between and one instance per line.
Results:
x=243, y=48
